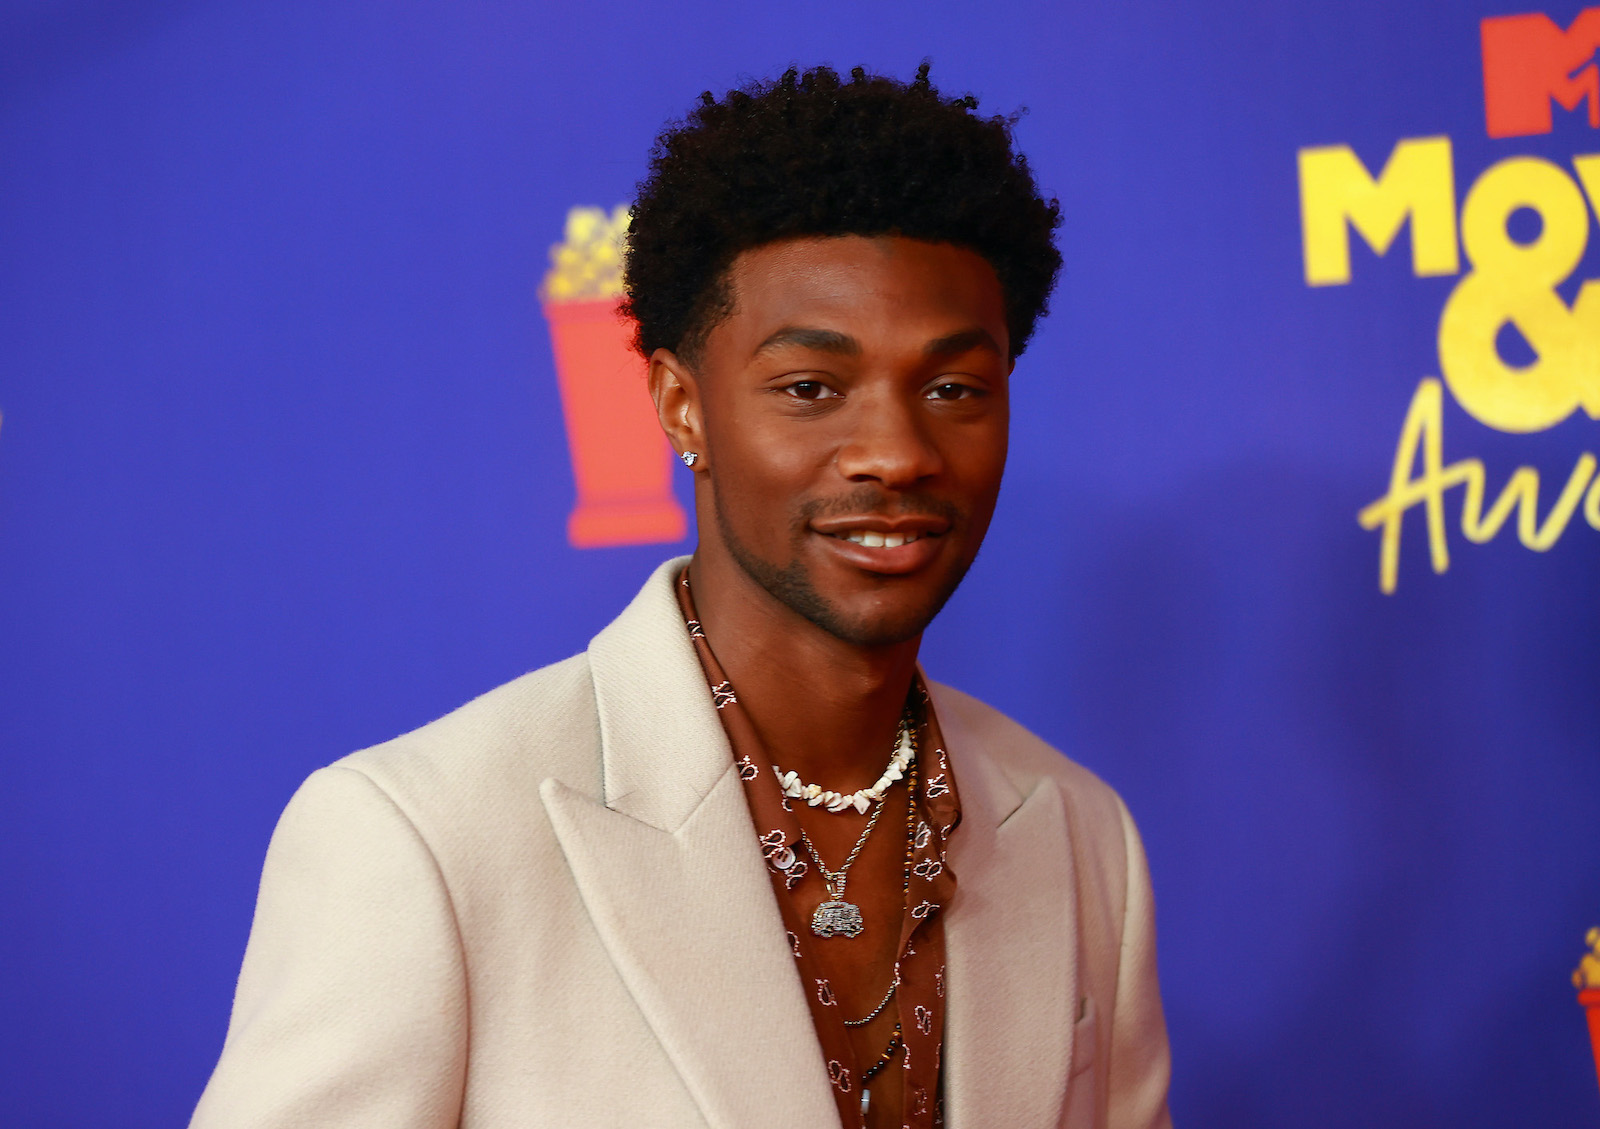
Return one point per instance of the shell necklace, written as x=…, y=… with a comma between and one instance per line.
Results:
x=837, y=917
x=905, y=751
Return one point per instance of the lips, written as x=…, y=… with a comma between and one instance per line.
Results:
x=890, y=546
x=914, y=525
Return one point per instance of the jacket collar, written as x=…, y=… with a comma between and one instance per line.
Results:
x=668, y=866
x=663, y=748
x=1010, y=933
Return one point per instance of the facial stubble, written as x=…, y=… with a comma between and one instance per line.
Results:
x=792, y=585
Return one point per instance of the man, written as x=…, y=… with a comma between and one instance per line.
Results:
x=737, y=865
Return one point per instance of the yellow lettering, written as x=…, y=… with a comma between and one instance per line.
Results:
x=1512, y=282
x=1417, y=181
x=1587, y=166
x=1423, y=428
x=1522, y=494
x=1422, y=434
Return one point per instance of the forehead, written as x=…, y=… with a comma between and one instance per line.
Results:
x=887, y=292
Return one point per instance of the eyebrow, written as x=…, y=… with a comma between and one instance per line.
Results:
x=820, y=340
x=958, y=343
x=842, y=344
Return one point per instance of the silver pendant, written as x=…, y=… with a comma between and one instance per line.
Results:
x=837, y=919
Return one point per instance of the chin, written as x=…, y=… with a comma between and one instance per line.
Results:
x=877, y=627
x=870, y=622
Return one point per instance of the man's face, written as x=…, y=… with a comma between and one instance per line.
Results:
x=855, y=410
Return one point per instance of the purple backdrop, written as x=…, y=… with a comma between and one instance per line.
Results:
x=283, y=474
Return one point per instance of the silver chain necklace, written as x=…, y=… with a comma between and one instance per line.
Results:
x=837, y=917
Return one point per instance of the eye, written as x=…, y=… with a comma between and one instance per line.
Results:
x=810, y=390
x=953, y=391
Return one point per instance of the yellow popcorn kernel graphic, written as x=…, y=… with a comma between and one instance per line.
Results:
x=1587, y=975
x=587, y=263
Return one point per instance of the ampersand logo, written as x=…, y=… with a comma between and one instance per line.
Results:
x=1515, y=283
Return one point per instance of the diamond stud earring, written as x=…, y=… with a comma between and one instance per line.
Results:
x=689, y=458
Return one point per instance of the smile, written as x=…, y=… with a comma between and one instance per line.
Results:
x=885, y=546
x=872, y=539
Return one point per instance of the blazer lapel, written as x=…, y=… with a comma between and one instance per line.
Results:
x=667, y=864
x=1011, y=946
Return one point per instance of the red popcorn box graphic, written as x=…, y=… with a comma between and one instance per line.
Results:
x=1589, y=998
x=1586, y=978
x=621, y=462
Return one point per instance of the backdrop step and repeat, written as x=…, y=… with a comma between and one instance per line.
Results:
x=314, y=424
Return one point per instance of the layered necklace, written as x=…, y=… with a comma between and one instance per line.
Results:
x=837, y=917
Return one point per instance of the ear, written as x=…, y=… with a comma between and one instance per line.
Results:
x=676, y=392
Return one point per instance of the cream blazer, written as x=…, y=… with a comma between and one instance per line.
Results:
x=548, y=909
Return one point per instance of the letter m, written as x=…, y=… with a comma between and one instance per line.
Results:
x=1528, y=62
x=1418, y=183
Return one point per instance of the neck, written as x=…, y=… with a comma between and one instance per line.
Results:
x=823, y=707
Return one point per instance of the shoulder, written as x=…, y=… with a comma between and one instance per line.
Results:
x=985, y=740
x=482, y=764
x=469, y=783
x=531, y=720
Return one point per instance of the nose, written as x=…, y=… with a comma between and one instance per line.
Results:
x=888, y=443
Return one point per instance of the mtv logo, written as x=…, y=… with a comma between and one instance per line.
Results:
x=1529, y=62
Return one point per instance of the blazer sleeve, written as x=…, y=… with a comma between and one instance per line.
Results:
x=1140, y=1062
x=351, y=1009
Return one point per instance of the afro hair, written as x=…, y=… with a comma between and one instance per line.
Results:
x=812, y=154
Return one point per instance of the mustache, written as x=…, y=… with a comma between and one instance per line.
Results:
x=865, y=500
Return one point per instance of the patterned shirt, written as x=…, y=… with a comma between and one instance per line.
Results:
x=919, y=1000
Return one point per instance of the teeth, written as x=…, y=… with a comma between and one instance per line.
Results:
x=874, y=540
